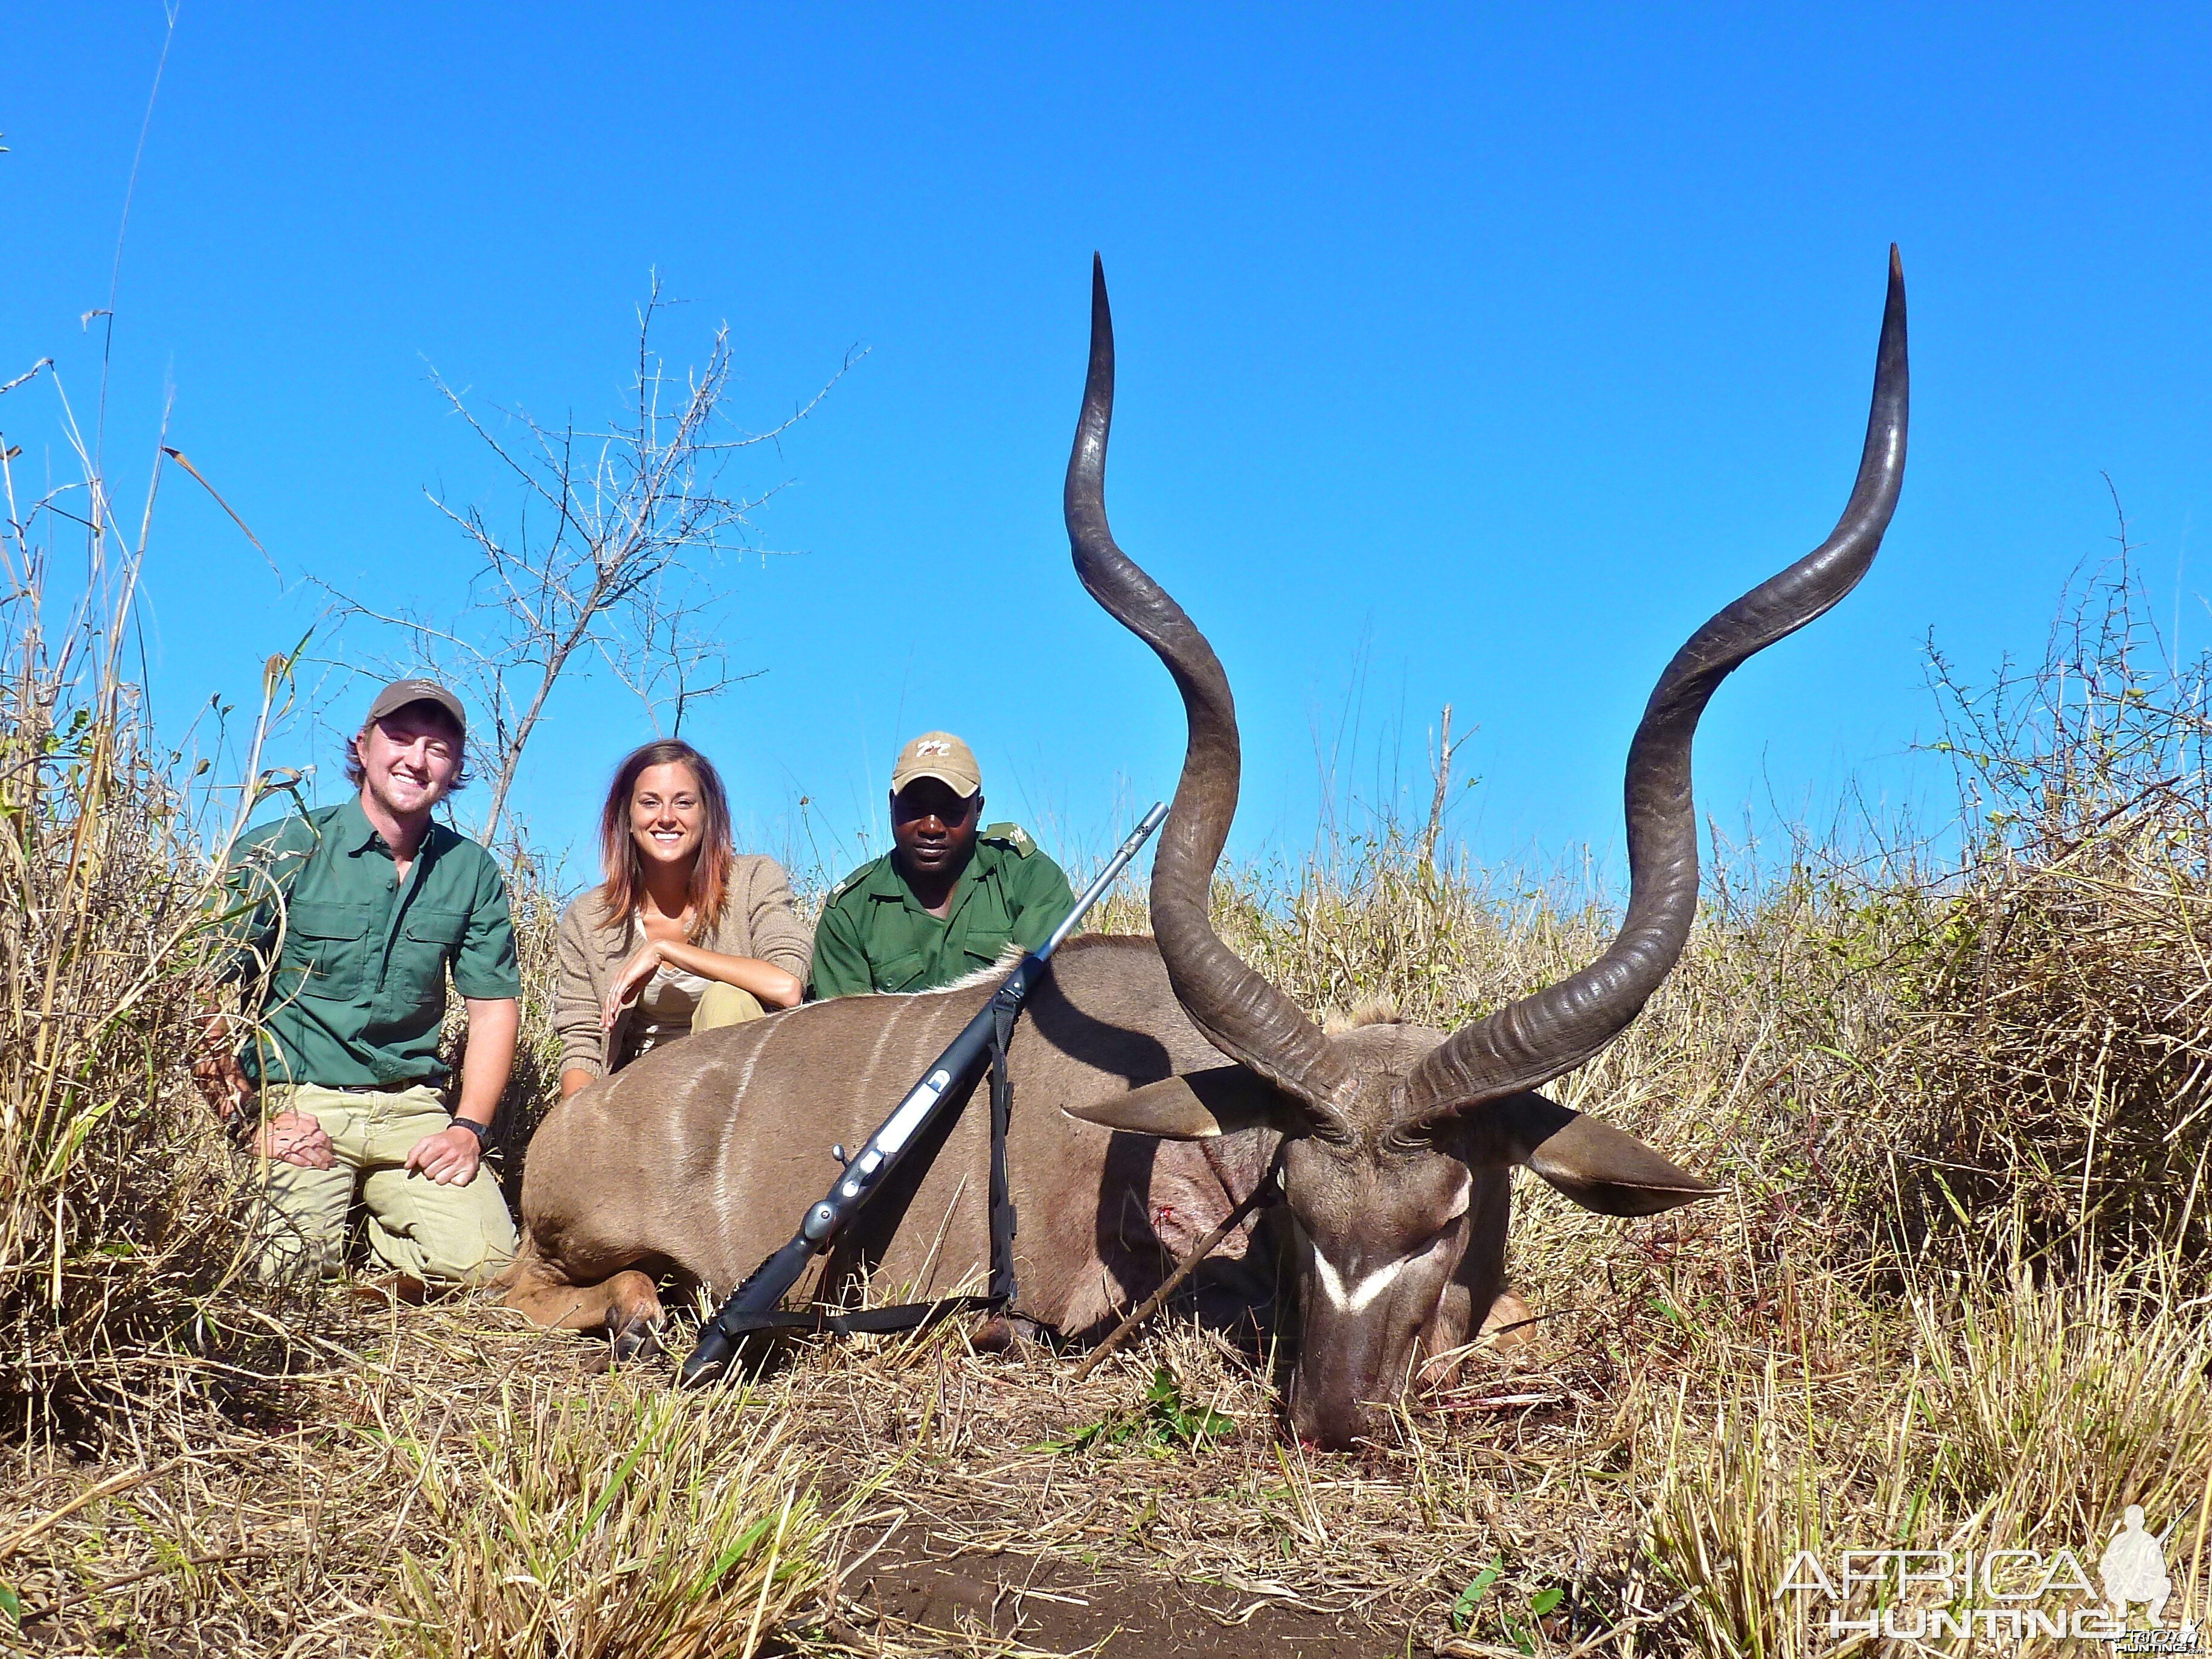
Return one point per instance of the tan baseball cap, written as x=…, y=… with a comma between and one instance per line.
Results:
x=941, y=756
x=398, y=695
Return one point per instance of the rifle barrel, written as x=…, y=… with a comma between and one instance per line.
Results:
x=1107, y=877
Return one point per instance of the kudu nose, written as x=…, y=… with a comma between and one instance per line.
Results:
x=1329, y=1424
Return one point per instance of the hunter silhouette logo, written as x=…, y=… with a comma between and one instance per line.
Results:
x=2133, y=1567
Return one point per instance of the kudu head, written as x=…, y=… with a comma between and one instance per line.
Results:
x=1391, y=1130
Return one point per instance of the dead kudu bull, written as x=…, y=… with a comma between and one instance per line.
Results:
x=1131, y=1134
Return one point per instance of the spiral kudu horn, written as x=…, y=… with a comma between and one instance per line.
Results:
x=1544, y=1036
x=1239, y=1011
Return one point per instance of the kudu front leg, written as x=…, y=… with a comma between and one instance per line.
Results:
x=624, y=1308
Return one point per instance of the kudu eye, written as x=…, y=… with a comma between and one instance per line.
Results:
x=1436, y=1240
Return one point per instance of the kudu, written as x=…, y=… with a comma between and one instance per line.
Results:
x=1396, y=1141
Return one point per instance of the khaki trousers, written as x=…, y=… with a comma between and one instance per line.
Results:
x=725, y=1004
x=719, y=1004
x=450, y=1234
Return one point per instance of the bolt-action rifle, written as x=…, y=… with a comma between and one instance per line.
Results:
x=754, y=1306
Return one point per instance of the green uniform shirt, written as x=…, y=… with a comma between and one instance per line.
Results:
x=875, y=936
x=359, y=987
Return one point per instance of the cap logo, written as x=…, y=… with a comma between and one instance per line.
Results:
x=933, y=747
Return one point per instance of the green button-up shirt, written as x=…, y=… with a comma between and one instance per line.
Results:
x=874, y=934
x=359, y=958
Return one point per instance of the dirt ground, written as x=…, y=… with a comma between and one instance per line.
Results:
x=1062, y=1608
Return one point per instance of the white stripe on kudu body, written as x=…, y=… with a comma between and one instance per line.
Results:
x=1358, y=1297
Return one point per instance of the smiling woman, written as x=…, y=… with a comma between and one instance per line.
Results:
x=684, y=934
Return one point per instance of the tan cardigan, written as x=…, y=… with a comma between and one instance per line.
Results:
x=758, y=921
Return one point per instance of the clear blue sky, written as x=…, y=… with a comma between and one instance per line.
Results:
x=1468, y=354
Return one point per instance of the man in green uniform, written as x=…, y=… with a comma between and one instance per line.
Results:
x=948, y=898
x=351, y=917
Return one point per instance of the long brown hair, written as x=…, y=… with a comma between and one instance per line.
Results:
x=624, y=888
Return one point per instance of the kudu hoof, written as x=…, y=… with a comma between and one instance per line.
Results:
x=639, y=1339
x=1004, y=1333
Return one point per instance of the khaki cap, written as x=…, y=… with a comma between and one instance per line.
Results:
x=941, y=756
x=398, y=695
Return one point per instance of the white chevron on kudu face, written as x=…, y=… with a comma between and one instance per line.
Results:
x=1331, y=1282
x=1373, y=1285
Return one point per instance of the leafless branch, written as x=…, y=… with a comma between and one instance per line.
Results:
x=29, y=373
x=604, y=559
x=1447, y=746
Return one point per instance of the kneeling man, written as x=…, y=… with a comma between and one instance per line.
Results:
x=949, y=898
x=354, y=915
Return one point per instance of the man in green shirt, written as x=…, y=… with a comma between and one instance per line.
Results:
x=351, y=917
x=948, y=898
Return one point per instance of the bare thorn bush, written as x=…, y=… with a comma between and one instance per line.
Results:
x=607, y=557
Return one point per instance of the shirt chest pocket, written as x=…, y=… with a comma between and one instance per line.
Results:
x=985, y=926
x=430, y=937
x=327, y=947
x=905, y=970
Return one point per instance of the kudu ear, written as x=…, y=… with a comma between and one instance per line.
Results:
x=1194, y=1106
x=1592, y=1162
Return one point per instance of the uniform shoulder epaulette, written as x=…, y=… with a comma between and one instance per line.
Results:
x=1012, y=837
x=853, y=880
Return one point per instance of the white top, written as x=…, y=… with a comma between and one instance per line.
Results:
x=664, y=1008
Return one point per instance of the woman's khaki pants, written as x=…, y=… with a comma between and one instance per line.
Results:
x=725, y=1004
x=447, y=1234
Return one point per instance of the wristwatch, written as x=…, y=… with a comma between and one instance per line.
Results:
x=481, y=1131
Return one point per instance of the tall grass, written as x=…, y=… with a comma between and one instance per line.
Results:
x=118, y=1202
x=643, y=1523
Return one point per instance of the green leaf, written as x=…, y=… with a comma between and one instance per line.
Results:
x=1211, y=1424
x=11, y=1604
x=1462, y=1609
x=736, y=1553
x=615, y=1486
x=1545, y=1601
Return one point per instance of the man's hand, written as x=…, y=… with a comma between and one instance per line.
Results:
x=629, y=982
x=221, y=1079
x=295, y=1138
x=449, y=1158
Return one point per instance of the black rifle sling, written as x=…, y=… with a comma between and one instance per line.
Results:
x=914, y=1315
x=1002, y=1115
